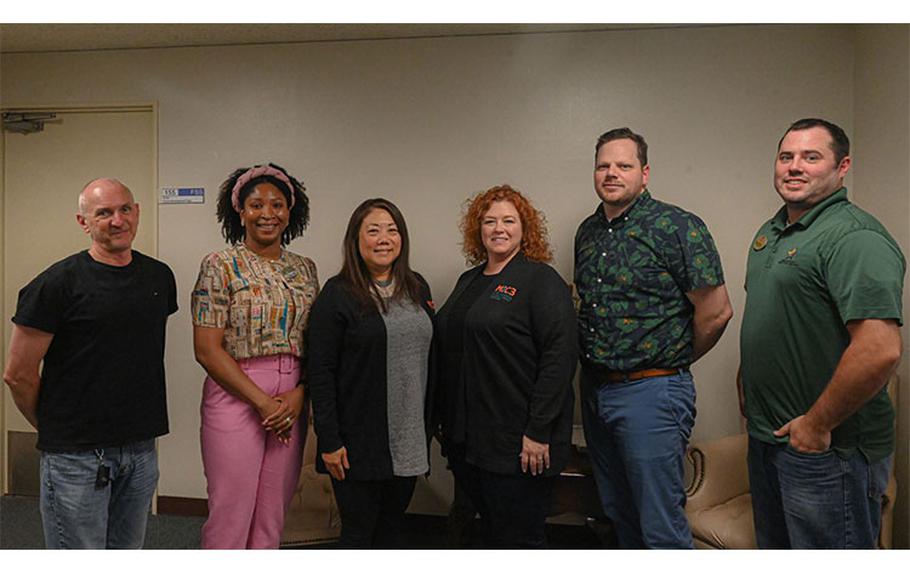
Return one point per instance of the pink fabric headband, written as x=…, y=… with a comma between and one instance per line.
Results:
x=255, y=172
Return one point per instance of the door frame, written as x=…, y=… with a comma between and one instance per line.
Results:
x=149, y=210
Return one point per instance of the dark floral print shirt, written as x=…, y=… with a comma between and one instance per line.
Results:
x=632, y=275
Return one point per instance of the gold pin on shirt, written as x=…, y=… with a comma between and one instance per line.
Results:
x=760, y=243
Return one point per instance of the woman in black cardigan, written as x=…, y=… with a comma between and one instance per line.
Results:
x=508, y=349
x=369, y=340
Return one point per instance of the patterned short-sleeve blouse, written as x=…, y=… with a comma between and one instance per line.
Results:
x=262, y=304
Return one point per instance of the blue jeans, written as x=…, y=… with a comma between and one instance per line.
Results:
x=78, y=514
x=637, y=433
x=815, y=500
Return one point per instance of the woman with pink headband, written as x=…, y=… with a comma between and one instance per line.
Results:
x=250, y=307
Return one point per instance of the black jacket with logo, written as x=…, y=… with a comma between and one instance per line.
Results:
x=518, y=360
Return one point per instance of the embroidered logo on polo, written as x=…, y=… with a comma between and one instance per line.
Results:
x=503, y=293
x=789, y=259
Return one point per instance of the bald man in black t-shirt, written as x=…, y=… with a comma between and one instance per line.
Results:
x=97, y=321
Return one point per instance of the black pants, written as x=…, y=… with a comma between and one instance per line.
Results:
x=513, y=508
x=372, y=511
x=460, y=522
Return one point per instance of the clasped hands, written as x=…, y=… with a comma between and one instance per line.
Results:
x=281, y=412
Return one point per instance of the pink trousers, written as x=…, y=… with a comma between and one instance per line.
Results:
x=251, y=475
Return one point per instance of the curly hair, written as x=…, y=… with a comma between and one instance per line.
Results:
x=232, y=228
x=535, y=243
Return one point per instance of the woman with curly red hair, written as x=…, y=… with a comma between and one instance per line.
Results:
x=508, y=348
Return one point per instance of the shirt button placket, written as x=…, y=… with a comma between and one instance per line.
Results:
x=774, y=246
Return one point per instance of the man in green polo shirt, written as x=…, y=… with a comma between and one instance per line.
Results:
x=820, y=338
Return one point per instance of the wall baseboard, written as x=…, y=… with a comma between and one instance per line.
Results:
x=182, y=506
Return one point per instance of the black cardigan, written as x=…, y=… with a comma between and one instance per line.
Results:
x=518, y=361
x=346, y=376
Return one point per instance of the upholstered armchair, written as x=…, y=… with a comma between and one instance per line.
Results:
x=313, y=516
x=719, y=505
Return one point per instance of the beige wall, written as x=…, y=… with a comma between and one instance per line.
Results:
x=881, y=142
x=3, y=389
x=427, y=122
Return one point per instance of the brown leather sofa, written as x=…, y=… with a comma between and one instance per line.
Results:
x=313, y=516
x=719, y=505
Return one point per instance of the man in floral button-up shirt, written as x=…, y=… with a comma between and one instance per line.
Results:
x=653, y=301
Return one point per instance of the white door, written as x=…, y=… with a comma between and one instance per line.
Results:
x=43, y=173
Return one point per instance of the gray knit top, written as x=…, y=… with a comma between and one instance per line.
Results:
x=409, y=332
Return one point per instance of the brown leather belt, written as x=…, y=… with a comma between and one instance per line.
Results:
x=626, y=376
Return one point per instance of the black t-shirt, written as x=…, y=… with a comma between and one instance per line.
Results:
x=102, y=383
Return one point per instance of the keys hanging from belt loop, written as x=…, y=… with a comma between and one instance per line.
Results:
x=103, y=475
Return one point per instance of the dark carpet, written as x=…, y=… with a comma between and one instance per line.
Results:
x=20, y=528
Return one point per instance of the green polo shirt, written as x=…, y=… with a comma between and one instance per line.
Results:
x=804, y=282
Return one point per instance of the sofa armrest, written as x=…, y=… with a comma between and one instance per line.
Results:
x=719, y=471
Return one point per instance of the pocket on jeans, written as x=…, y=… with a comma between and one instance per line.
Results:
x=879, y=475
x=808, y=455
x=679, y=392
x=73, y=468
x=814, y=474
